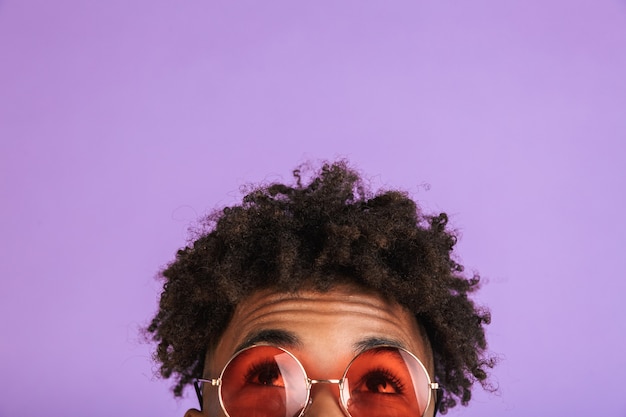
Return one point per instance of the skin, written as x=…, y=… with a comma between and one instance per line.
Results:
x=323, y=330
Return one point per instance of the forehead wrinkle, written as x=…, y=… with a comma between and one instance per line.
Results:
x=293, y=315
x=282, y=304
x=286, y=304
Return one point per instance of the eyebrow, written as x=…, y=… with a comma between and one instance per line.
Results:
x=372, y=342
x=276, y=337
x=288, y=339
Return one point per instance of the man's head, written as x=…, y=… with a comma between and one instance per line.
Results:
x=324, y=269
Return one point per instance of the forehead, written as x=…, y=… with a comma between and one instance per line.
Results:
x=342, y=320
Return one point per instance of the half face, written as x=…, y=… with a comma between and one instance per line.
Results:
x=324, y=331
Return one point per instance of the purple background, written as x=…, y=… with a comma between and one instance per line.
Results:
x=123, y=121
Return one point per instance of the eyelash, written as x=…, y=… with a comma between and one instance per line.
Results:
x=256, y=368
x=394, y=380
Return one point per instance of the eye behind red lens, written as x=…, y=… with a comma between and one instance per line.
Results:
x=385, y=382
x=263, y=381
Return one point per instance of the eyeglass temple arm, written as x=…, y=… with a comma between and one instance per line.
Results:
x=196, y=385
x=438, y=396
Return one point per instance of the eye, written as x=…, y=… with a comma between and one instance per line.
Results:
x=380, y=381
x=265, y=373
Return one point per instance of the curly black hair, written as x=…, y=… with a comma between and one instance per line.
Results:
x=326, y=231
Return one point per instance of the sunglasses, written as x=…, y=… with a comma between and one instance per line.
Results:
x=268, y=381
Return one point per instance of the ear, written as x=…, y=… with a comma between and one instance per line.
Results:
x=192, y=412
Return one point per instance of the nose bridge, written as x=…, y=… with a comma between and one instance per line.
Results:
x=324, y=401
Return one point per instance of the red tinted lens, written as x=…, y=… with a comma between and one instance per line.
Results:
x=385, y=382
x=263, y=381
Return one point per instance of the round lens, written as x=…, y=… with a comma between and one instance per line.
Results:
x=263, y=381
x=385, y=382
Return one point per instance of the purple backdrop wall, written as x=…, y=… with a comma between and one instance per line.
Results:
x=121, y=122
